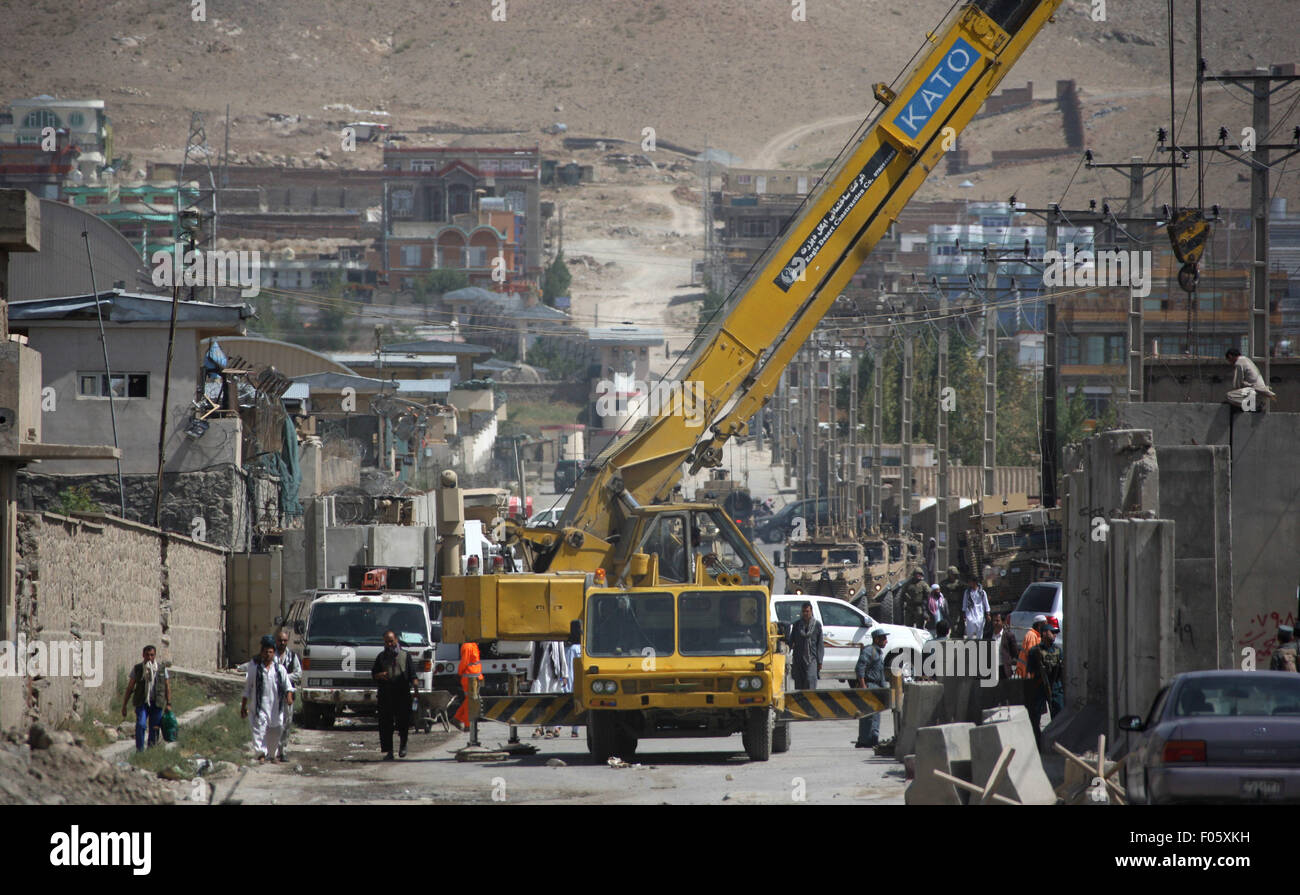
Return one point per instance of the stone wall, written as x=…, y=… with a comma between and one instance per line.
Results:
x=219, y=496
x=102, y=579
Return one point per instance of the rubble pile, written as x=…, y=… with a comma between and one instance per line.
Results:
x=53, y=767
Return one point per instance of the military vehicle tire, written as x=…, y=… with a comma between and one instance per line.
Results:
x=890, y=610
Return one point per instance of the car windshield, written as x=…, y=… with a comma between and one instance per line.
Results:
x=630, y=624
x=1238, y=694
x=364, y=624
x=1037, y=598
x=843, y=556
x=722, y=624
x=805, y=557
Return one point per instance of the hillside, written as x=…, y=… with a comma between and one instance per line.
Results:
x=734, y=74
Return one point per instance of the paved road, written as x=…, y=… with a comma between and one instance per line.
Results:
x=343, y=766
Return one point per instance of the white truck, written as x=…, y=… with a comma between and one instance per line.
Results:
x=344, y=632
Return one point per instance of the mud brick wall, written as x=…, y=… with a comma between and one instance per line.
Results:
x=104, y=579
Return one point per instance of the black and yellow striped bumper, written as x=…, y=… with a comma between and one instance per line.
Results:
x=834, y=705
x=551, y=710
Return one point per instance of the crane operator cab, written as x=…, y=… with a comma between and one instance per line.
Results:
x=697, y=544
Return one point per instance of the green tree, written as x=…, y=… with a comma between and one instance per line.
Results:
x=556, y=280
x=437, y=283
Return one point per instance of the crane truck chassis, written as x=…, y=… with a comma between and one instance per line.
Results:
x=620, y=539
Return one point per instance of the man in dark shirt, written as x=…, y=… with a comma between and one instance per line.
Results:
x=870, y=672
x=398, y=684
x=806, y=649
x=1046, y=685
x=1008, y=649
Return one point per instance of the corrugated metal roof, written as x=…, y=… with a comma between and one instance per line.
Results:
x=625, y=335
x=423, y=386
x=439, y=346
x=128, y=307
x=332, y=382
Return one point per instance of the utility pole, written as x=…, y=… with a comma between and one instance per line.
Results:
x=853, y=464
x=1051, y=378
x=832, y=443
x=810, y=439
x=877, y=434
x=1259, y=84
x=905, y=470
x=941, y=438
x=990, y=370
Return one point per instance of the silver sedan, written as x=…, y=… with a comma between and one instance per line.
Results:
x=1218, y=736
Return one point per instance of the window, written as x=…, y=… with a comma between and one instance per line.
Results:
x=75, y=119
x=401, y=201
x=124, y=385
x=744, y=178
x=478, y=256
x=755, y=228
x=722, y=624
x=41, y=118
x=839, y=615
x=410, y=256
x=628, y=624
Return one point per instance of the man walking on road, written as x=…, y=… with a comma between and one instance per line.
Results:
x=806, y=649
x=398, y=684
x=148, y=678
x=293, y=665
x=269, y=686
x=974, y=606
x=870, y=672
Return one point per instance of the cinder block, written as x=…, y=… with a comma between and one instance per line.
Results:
x=1025, y=781
x=922, y=707
x=947, y=748
x=1004, y=713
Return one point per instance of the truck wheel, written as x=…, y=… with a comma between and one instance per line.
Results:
x=627, y=744
x=603, y=738
x=326, y=719
x=757, y=736
x=311, y=716
x=889, y=612
x=781, y=737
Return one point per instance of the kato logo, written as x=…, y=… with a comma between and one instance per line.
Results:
x=918, y=111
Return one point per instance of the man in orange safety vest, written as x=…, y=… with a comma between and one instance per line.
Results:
x=470, y=668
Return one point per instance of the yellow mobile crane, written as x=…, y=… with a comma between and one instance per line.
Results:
x=670, y=603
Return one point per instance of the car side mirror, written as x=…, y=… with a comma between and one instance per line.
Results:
x=300, y=627
x=1131, y=722
x=575, y=631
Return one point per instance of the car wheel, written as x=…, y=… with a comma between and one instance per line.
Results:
x=771, y=536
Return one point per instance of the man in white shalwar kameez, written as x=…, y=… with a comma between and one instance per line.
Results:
x=549, y=674
x=269, y=687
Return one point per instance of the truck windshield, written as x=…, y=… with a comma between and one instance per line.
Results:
x=843, y=556
x=805, y=557
x=875, y=552
x=630, y=624
x=715, y=623
x=363, y=624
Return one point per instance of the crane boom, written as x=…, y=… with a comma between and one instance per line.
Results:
x=740, y=360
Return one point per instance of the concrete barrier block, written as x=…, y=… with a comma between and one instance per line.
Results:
x=1004, y=713
x=922, y=707
x=1025, y=781
x=945, y=747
